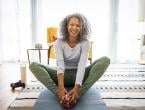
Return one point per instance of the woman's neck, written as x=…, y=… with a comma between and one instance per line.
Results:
x=72, y=42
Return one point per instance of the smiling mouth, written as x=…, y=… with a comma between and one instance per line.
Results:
x=74, y=32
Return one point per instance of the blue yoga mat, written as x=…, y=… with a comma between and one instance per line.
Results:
x=91, y=100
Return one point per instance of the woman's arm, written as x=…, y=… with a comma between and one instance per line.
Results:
x=59, y=62
x=60, y=78
x=61, y=91
x=82, y=62
x=76, y=92
x=59, y=56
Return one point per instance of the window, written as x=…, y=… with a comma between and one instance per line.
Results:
x=15, y=31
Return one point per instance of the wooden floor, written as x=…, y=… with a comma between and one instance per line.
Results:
x=9, y=73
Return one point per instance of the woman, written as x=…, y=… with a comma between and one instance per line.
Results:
x=71, y=57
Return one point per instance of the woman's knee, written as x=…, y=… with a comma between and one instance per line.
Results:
x=33, y=66
x=106, y=60
x=103, y=62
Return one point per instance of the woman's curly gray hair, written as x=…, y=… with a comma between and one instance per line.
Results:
x=85, y=27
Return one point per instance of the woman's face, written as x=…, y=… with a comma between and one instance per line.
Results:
x=74, y=27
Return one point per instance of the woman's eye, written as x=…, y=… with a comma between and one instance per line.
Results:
x=78, y=26
x=71, y=24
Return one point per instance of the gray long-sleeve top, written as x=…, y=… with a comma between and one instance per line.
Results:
x=70, y=58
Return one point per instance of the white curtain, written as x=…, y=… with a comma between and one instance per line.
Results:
x=15, y=29
x=0, y=37
x=128, y=45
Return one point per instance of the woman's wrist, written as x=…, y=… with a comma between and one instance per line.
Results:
x=77, y=86
x=60, y=80
x=61, y=86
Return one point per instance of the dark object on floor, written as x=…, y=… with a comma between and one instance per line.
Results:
x=17, y=84
x=91, y=100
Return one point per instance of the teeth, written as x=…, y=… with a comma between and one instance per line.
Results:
x=74, y=32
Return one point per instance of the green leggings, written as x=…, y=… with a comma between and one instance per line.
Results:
x=48, y=76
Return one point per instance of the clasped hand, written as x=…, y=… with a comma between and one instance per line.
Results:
x=69, y=99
